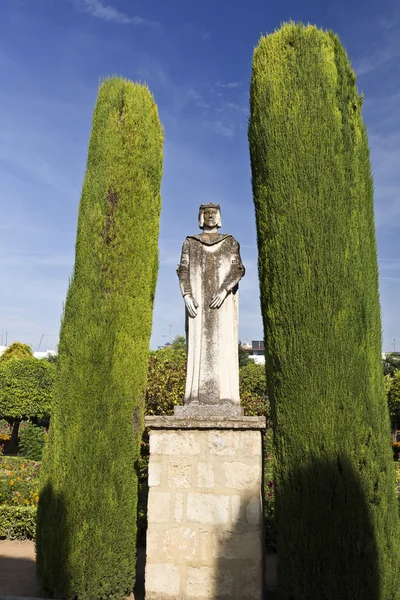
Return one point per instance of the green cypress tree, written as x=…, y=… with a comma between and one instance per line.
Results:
x=336, y=509
x=86, y=541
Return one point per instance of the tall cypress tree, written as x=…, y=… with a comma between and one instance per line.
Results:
x=86, y=542
x=338, y=525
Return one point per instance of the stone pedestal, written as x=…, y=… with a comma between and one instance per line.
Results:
x=205, y=533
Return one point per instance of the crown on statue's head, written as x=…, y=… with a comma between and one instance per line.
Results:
x=209, y=205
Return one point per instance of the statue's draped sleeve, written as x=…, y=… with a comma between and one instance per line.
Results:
x=183, y=270
x=236, y=271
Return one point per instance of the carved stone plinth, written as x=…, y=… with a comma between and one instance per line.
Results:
x=205, y=534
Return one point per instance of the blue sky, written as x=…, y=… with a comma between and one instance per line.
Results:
x=196, y=59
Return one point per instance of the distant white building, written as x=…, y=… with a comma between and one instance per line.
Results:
x=35, y=354
x=255, y=348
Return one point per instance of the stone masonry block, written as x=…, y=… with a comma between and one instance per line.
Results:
x=235, y=508
x=251, y=443
x=249, y=583
x=208, y=508
x=178, y=507
x=179, y=471
x=163, y=579
x=205, y=475
x=253, y=511
x=208, y=582
x=154, y=478
x=158, y=510
x=180, y=542
x=171, y=443
x=241, y=476
x=232, y=545
x=223, y=443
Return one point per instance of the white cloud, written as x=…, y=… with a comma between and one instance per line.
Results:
x=109, y=13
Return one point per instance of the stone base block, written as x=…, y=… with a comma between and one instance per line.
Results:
x=208, y=410
x=204, y=537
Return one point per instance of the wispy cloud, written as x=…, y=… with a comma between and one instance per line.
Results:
x=229, y=85
x=386, y=48
x=109, y=13
x=221, y=127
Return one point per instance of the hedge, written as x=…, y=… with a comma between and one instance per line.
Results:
x=86, y=540
x=17, y=522
x=336, y=508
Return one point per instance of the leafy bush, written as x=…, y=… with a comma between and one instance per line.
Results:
x=26, y=388
x=165, y=381
x=253, y=390
x=17, y=522
x=19, y=489
x=5, y=434
x=31, y=441
x=394, y=393
x=16, y=350
x=19, y=481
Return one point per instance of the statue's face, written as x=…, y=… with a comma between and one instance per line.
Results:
x=210, y=217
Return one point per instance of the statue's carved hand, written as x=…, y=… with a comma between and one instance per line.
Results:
x=191, y=305
x=218, y=299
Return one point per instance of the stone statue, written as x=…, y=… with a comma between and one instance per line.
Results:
x=209, y=272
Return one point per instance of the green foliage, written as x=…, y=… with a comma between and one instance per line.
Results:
x=16, y=350
x=391, y=363
x=243, y=355
x=86, y=542
x=165, y=381
x=179, y=343
x=17, y=522
x=313, y=196
x=253, y=390
x=19, y=481
x=31, y=441
x=26, y=388
x=269, y=492
x=394, y=394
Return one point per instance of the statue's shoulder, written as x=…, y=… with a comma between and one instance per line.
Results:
x=208, y=240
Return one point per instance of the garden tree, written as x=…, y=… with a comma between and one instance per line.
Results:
x=26, y=391
x=391, y=363
x=393, y=395
x=179, y=343
x=86, y=540
x=16, y=350
x=336, y=508
x=244, y=358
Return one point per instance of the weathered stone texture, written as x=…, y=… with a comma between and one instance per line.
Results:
x=204, y=536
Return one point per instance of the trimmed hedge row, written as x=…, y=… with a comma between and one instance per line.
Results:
x=17, y=522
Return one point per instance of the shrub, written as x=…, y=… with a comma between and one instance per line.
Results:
x=165, y=381
x=31, y=441
x=26, y=388
x=16, y=350
x=5, y=430
x=19, y=481
x=87, y=517
x=18, y=522
x=313, y=195
x=253, y=390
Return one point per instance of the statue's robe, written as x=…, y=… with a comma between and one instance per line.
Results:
x=209, y=263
